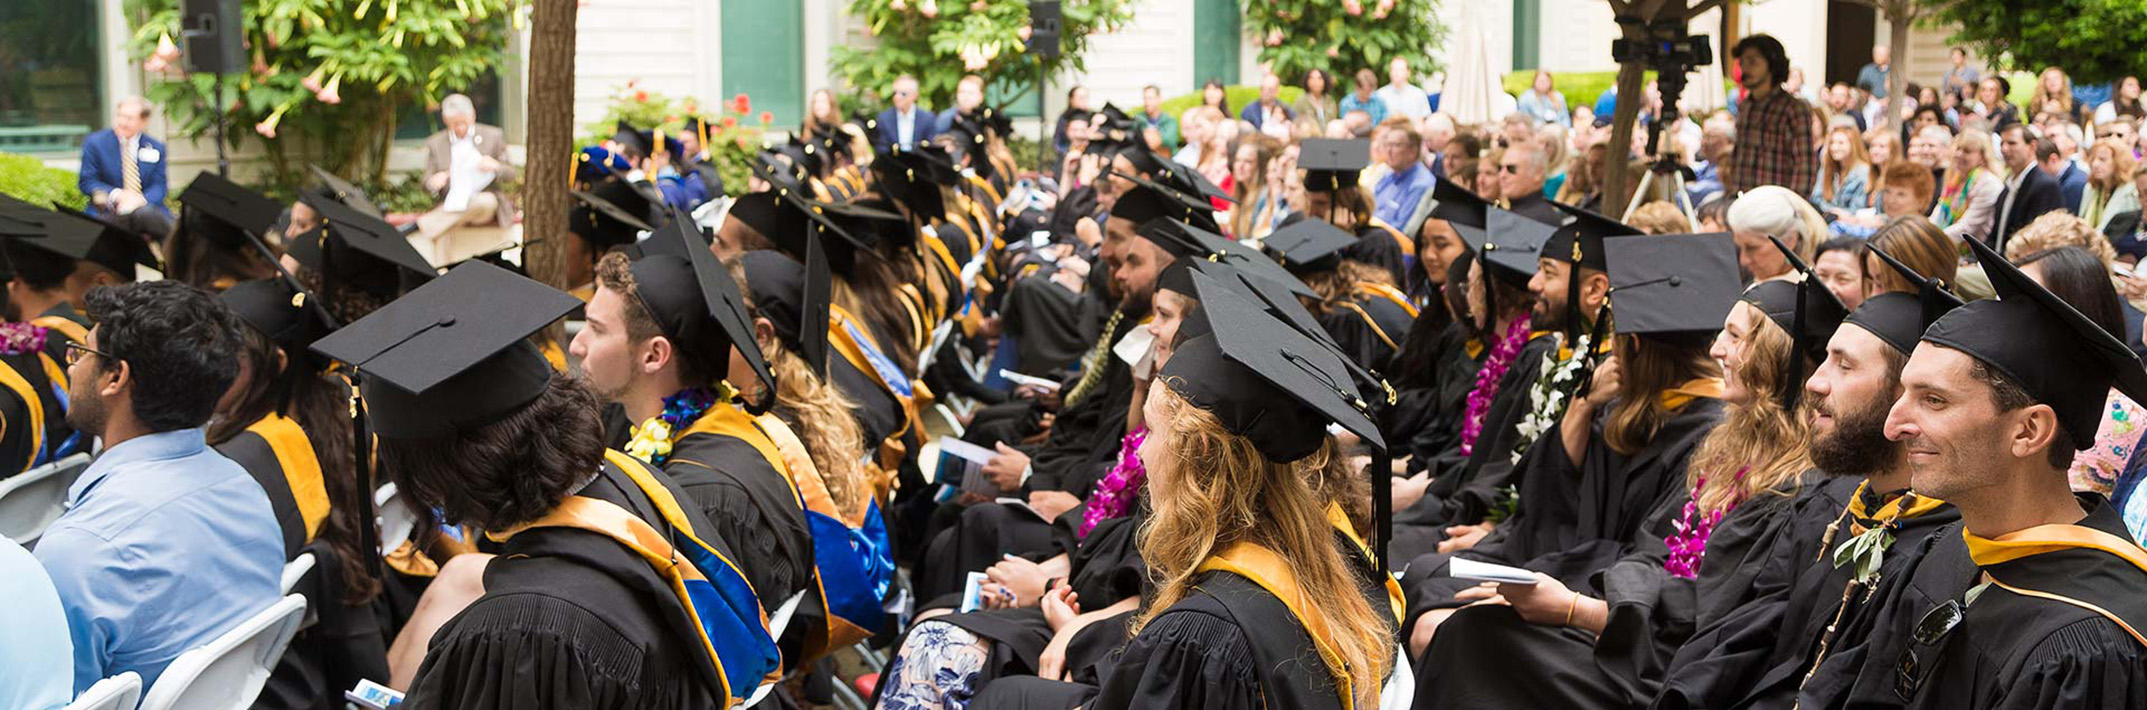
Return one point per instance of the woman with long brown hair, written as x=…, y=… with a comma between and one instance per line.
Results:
x=1250, y=217
x=1602, y=478
x=1919, y=245
x=1605, y=646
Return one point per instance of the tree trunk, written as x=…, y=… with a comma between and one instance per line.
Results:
x=551, y=140
x=1900, y=15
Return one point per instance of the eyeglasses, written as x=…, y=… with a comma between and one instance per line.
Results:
x=77, y=351
x=1936, y=623
x=1509, y=169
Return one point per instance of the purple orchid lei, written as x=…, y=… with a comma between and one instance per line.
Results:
x=21, y=338
x=1688, y=542
x=682, y=410
x=1114, y=496
x=1487, y=379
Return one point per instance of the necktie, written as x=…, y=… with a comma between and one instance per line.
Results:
x=130, y=175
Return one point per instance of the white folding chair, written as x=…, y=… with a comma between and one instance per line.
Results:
x=115, y=693
x=777, y=623
x=31, y=500
x=295, y=570
x=228, y=673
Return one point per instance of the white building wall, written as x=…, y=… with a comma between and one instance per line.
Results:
x=1799, y=24
x=1155, y=48
x=1575, y=36
x=669, y=46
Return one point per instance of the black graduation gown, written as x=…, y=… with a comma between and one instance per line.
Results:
x=879, y=415
x=1489, y=657
x=754, y=508
x=1369, y=328
x=1427, y=414
x=63, y=324
x=1051, y=325
x=20, y=398
x=1465, y=488
x=1575, y=520
x=1376, y=247
x=1536, y=207
x=1085, y=436
x=1762, y=654
x=290, y=495
x=572, y=619
x=2012, y=650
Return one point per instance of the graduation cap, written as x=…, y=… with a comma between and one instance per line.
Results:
x=614, y=213
x=452, y=355
x=1186, y=179
x=594, y=164
x=1149, y=200
x=1513, y=244
x=795, y=301
x=84, y=237
x=806, y=154
x=1673, y=283
x=914, y=177
x=1899, y=329
x=1265, y=380
x=226, y=212
x=698, y=305
x=1308, y=245
x=997, y=121
x=634, y=141
x=1331, y=164
x=1457, y=205
x=1183, y=240
x=357, y=244
x=338, y=190
x=1803, y=307
x=656, y=140
x=2059, y=356
x=1580, y=239
x=283, y=311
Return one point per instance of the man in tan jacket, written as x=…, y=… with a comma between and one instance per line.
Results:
x=465, y=166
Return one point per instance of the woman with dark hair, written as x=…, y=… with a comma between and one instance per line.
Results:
x=1605, y=645
x=1316, y=107
x=1214, y=95
x=287, y=422
x=1835, y=264
x=2082, y=280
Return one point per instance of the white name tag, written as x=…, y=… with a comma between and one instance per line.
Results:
x=148, y=155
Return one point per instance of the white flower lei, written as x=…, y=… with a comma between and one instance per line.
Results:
x=1547, y=397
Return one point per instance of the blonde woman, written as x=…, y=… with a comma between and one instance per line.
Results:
x=1975, y=175
x=1553, y=139
x=1250, y=216
x=2110, y=191
x=1844, y=173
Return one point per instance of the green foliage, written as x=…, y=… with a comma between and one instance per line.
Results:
x=328, y=76
x=1236, y=96
x=1580, y=88
x=2094, y=41
x=25, y=178
x=939, y=41
x=735, y=132
x=1297, y=36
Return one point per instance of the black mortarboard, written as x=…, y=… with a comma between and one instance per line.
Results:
x=1514, y=245
x=1208, y=246
x=1806, y=309
x=794, y=300
x=1932, y=299
x=20, y=220
x=87, y=238
x=1117, y=126
x=1331, y=164
x=614, y=213
x=1672, y=283
x=362, y=249
x=1250, y=371
x=339, y=190
x=1580, y=239
x=914, y=178
x=1150, y=200
x=1457, y=205
x=226, y=212
x=1187, y=180
x=281, y=311
x=452, y=355
x=632, y=140
x=698, y=305
x=1308, y=245
x=2044, y=344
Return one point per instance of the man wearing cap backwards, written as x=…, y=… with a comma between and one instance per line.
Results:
x=2037, y=603
x=608, y=590
x=165, y=543
x=1813, y=619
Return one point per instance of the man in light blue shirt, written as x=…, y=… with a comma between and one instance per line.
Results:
x=35, y=655
x=165, y=544
x=1396, y=196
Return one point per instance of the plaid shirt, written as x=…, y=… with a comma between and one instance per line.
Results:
x=1774, y=145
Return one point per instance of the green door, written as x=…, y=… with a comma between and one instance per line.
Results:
x=1215, y=41
x=763, y=56
x=1527, y=16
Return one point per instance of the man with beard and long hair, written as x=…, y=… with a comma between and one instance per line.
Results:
x=1810, y=608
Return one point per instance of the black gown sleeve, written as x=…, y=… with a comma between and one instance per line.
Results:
x=1182, y=659
x=2089, y=664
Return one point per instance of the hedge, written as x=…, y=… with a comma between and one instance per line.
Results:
x=27, y=179
x=1238, y=96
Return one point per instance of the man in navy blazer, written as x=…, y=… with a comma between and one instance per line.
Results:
x=2029, y=192
x=123, y=173
x=906, y=123
x=2072, y=181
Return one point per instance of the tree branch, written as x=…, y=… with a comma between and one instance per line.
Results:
x=1695, y=11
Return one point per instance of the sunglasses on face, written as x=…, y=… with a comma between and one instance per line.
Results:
x=1510, y=169
x=1910, y=674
